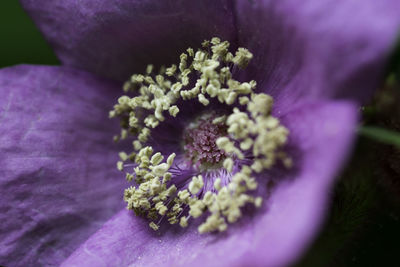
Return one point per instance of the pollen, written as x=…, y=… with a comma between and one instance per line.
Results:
x=224, y=152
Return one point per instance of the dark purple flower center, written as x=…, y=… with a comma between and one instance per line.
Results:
x=200, y=142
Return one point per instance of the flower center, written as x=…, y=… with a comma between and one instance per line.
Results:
x=225, y=153
x=200, y=142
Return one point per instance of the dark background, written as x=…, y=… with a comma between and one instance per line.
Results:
x=363, y=228
x=20, y=41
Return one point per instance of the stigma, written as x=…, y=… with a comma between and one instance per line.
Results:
x=200, y=142
x=221, y=153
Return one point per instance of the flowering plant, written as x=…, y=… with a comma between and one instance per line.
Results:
x=61, y=195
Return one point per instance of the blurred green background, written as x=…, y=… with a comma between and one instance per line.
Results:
x=20, y=41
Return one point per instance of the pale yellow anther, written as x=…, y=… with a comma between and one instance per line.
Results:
x=223, y=142
x=184, y=195
x=171, y=190
x=158, y=113
x=137, y=145
x=222, y=95
x=214, y=222
x=167, y=177
x=139, y=172
x=196, y=184
x=246, y=144
x=112, y=114
x=129, y=177
x=173, y=220
x=153, y=226
x=205, y=43
x=211, y=90
x=208, y=198
x=149, y=68
x=223, y=198
x=126, y=87
x=138, y=78
x=156, y=158
x=161, y=169
x=226, y=145
x=190, y=52
x=177, y=208
x=231, y=98
x=144, y=135
x=203, y=100
x=171, y=70
x=228, y=57
x=170, y=159
x=173, y=110
x=199, y=56
x=257, y=166
x=232, y=187
x=123, y=100
x=183, y=222
x=258, y=202
x=183, y=62
x=260, y=104
x=149, y=80
x=151, y=121
x=124, y=134
x=161, y=208
x=123, y=156
x=208, y=68
x=251, y=183
x=242, y=57
x=144, y=203
x=243, y=100
x=217, y=184
x=228, y=164
x=219, y=120
x=120, y=165
x=215, y=40
x=133, y=121
x=176, y=87
x=219, y=50
x=186, y=72
x=234, y=214
x=146, y=151
x=160, y=81
x=196, y=208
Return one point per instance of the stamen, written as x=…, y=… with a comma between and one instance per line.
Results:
x=246, y=142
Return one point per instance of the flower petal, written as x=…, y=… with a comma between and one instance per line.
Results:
x=119, y=38
x=322, y=134
x=58, y=180
x=325, y=48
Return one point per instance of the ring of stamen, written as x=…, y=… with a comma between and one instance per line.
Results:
x=249, y=129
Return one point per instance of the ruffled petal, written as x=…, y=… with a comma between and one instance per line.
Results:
x=119, y=38
x=322, y=135
x=58, y=179
x=318, y=48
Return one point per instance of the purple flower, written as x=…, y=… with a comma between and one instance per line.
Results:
x=61, y=195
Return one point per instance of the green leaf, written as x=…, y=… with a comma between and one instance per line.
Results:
x=381, y=135
x=21, y=41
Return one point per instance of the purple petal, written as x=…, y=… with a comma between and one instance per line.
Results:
x=323, y=48
x=322, y=134
x=119, y=38
x=58, y=180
